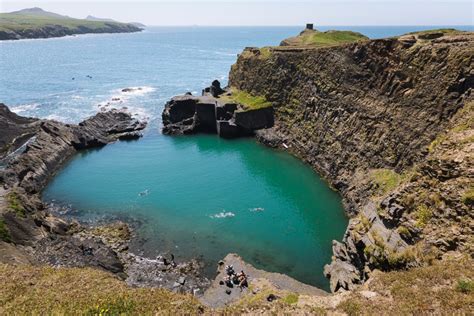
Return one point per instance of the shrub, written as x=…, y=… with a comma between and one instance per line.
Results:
x=4, y=233
x=423, y=215
x=468, y=197
x=14, y=204
x=291, y=298
x=404, y=232
x=465, y=286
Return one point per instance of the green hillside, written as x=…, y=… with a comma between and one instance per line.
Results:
x=43, y=24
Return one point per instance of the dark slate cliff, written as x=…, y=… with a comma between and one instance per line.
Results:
x=364, y=116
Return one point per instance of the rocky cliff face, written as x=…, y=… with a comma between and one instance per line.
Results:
x=365, y=115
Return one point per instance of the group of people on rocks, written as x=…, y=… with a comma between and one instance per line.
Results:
x=232, y=278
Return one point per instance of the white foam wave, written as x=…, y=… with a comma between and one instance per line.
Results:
x=223, y=214
x=24, y=108
x=136, y=91
x=257, y=209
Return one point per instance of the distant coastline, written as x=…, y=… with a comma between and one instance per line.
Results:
x=36, y=23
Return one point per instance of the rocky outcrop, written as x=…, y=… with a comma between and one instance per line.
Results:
x=16, y=130
x=216, y=295
x=365, y=115
x=56, y=142
x=188, y=114
x=24, y=221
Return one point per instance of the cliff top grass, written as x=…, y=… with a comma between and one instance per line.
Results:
x=21, y=22
x=248, y=101
x=83, y=291
x=442, y=30
x=315, y=38
x=445, y=287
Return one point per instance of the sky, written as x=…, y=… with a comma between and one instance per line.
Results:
x=262, y=12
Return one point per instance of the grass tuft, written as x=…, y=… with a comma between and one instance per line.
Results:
x=385, y=179
x=468, y=197
x=248, y=101
x=465, y=286
x=15, y=205
x=291, y=298
x=423, y=215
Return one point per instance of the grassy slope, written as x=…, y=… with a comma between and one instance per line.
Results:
x=46, y=290
x=320, y=39
x=21, y=22
x=446, y=287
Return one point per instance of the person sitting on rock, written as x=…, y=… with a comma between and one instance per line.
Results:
x=229, y=269
x=242, y=277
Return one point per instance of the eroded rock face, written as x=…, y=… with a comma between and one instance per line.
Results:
x=377, y=105
x=15, y=130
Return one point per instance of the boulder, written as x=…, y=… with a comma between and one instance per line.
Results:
x=342, y=275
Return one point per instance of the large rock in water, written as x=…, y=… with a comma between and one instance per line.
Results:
x=188, y=114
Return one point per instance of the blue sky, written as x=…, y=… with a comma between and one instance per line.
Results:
x=263, y=12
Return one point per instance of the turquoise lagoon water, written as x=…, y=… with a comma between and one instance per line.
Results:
x=197, y=196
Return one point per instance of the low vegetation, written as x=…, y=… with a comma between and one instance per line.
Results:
x=248, y=101
x=423, y=215
x=85, y=291
x=468, y=197
x=4, y=233
x=82, y=291
x=444, y=31
x=442, y=288
x=321, y=39
x=14, y=204
x=385, y=179
x=465, y=286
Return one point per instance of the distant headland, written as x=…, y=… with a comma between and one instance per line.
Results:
x=38, y=23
